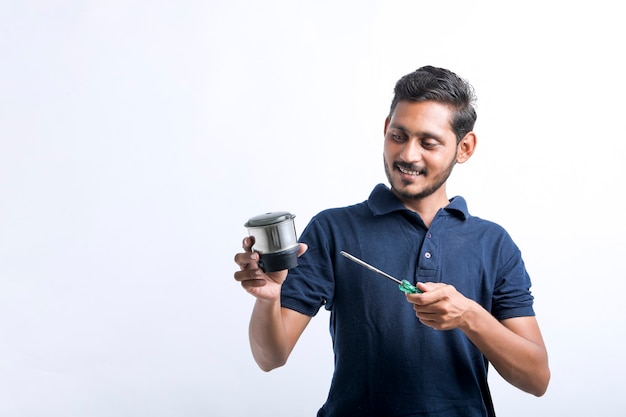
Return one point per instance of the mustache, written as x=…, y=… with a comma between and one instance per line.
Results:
x=410, y=167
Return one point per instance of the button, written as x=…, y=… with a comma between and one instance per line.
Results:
x=429, y=235
x=427, y=255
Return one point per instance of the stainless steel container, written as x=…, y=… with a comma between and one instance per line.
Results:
x=275, y=240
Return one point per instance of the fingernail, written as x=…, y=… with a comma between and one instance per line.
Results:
x=254, y=256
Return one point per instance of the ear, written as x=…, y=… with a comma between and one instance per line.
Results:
x=466, y=147
x=386, y=125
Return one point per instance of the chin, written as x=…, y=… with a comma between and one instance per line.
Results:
x=407, y=186
x=404, y=190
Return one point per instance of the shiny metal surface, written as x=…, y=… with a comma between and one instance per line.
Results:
x=273, y=235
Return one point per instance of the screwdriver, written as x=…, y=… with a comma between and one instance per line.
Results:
x=404, y=285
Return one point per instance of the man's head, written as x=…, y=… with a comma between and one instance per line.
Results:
x=429, y=129
x=443, y=86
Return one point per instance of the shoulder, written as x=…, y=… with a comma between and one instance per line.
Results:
x=458, y=209
x=480, y=234
x=487, y=225
x=337, y=216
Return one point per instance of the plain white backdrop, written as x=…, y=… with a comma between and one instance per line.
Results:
x=137, y=137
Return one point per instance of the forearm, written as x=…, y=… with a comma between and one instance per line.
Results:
x=514, y=348
x=268, y=338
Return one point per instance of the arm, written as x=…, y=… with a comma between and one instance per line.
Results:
x=273, y=330
x=514, y=346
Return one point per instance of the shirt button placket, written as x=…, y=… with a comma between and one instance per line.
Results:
x=427, y=254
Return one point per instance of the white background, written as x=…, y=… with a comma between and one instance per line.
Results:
x=137, y=137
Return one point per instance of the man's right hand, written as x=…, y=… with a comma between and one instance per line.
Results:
x=264, y=286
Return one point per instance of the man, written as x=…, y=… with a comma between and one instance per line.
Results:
x=423, y=354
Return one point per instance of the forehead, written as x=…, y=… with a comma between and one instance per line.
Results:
x=423, y=113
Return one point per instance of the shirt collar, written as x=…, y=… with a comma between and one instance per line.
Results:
x=382, y=201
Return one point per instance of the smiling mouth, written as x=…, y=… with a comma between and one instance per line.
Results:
x=408, y=171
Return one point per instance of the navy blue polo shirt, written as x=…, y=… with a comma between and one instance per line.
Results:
x=386, y=362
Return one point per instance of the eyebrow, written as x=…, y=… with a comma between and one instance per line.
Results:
x=419, y=134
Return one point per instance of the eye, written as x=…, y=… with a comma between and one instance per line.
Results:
x=429, y=143
x=398, y=137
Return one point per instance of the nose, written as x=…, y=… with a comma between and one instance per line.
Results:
x=411, y=151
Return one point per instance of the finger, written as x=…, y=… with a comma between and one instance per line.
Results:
x=249, y=275
x=421, y=310
x=247, y=243
x=251, y=279
x=431, y=292
x=419, y=298
x=302, y=248
x=247, y=260
x=253, y=283
x=430, y=323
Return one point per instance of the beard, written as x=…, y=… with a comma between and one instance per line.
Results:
x=435, y=184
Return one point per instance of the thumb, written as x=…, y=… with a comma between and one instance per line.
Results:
x=425, y=286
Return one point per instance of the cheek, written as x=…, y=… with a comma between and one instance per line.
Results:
x=388, y=157
x=441, y=157
x=385, y=151
x=390, y=148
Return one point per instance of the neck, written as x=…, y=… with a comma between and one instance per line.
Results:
x=428, y=207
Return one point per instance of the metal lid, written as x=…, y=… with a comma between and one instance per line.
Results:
x=268, y=219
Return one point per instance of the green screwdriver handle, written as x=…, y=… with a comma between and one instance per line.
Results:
x=409, y=288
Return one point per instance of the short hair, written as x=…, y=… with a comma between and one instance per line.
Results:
x=430, y=83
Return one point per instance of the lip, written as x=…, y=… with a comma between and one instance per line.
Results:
x=409, y=174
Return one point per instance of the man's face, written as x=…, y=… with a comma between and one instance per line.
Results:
x=420, y=149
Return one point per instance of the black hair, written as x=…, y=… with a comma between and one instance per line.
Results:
x=430, y=83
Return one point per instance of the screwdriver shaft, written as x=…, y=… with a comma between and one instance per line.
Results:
x=370, y=267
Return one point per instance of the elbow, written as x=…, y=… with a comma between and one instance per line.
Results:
x=538, y=384
x=268, y=358
x=533, y=381
x=268, y=362
x=539, y=391
x=542, y=384
x=543, y=379
x=267, y=366
x=537, y=376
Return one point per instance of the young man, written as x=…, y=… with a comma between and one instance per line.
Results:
x=423, y=354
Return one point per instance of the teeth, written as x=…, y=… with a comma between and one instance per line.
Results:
x=406, y=171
